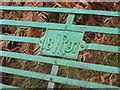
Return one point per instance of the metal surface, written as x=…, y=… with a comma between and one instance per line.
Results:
x=90, y=46
x=55, y=68
x=63, y=41
x=53, y=78
x=57, y=61
x=54, y=72
x=9, y=87
x=61, y=10
x=61, y=27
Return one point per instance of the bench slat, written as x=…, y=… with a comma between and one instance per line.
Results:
x=53, y=78
x=9, y=86
x=20, y=39
x=61, y=10
x=63, y=27
x=102, y=47
x=56, y=61
x=90, y=46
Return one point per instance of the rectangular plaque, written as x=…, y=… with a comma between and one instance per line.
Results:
x=61, y=43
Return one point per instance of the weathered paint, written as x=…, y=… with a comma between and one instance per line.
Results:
x=61, y=10
x=57, y=61
x=62, y=40
x=58, y=79
x=61, y=27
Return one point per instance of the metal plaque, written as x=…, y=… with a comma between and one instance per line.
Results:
x=62, y=43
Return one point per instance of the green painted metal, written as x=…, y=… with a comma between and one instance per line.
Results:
x=20, y=39
x=62, y=43
x=61, y=10
x=9, y=87
x=57, y=61
x=55, y=68
x=54, y=72
x=53, y=78
x=61, y=27
x=70, y=18
x=60, y=40
x=101, y=47
x=89, y=46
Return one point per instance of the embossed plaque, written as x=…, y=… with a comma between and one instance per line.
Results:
x=62, y=43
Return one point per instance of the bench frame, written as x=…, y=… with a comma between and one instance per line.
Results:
x=66, y=32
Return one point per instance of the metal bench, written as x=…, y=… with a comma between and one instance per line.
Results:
x=61, y=40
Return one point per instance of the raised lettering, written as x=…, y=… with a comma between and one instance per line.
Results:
x=69, y=47
x=49, y=44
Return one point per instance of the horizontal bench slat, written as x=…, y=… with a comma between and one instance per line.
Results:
x=90, y=46
x=8, y=86
x=56, y=26
x=61, y=10
x=56, y=61
x=101, y=47
x=56, y=79
x=20, y=39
